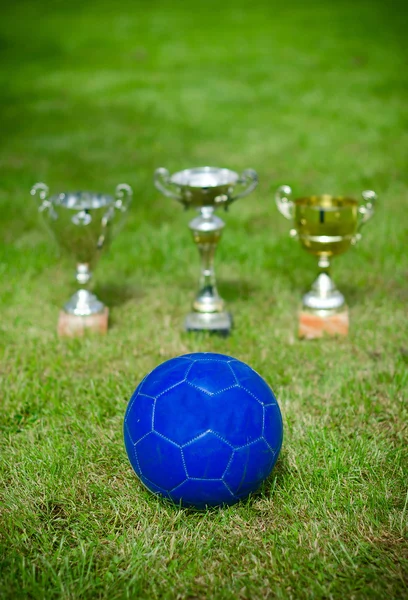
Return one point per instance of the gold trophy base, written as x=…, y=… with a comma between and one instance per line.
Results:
x=313, y=325
x=75, y=326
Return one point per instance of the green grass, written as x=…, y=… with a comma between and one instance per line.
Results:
x=313, y=94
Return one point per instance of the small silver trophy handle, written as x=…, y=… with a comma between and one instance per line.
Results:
x=42, y=190
x=250, y=177
x=161, y=180
x=283, y=201
x=124, y=195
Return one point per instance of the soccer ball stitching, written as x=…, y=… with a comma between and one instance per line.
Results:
x=170, y=388
x=233, y=372
x=197, y=387
x=229, y=464
x=201, y=435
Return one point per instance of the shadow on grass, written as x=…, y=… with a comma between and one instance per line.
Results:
x=238, y=289
x=357, y=294
x=277, y=479
x=230, y=289
x=116, y=295
x=354, y=295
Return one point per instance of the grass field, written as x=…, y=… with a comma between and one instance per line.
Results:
x=312, y=94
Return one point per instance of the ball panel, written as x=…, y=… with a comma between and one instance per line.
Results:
x=236, y=416
x=139, y=416
x=249, y=466
x=202, y=492
x=273, y=427
x=165, y=376
x=160, y=461
x=251, y=381
x=183, y=413
x=207, y=457
x=131, y=450
x=211, y=376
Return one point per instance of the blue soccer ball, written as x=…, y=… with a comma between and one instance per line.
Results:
x=203, y=430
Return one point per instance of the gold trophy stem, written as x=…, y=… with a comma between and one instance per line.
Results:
x=324, y=265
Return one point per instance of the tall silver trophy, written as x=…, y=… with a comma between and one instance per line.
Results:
x=206, y=189
x=81, y=224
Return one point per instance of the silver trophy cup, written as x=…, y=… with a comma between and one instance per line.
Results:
x=81, y=224
x=205, y=189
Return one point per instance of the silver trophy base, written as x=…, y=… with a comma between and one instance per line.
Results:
x=220, y=322
x=324, y=296
x=84, y=304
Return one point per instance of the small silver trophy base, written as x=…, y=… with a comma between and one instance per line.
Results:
x=220, y=322
x=84, y=304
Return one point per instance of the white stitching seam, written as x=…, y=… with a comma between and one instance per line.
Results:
x=230, y=387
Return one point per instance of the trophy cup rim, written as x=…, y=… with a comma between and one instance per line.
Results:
x=82, y=200
x=318, y=202
x=212, y=177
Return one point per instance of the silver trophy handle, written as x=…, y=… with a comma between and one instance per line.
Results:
x=161, y=180
x=124, y=195
x=248, y=177
x=42, y=190
x=283, y=201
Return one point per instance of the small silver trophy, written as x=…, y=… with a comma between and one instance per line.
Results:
x=206, y=188
x=81, y=224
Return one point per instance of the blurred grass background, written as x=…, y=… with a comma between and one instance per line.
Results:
x=309, y=94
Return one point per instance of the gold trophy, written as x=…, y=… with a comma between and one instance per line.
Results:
x=325, y=226
x=206, y=189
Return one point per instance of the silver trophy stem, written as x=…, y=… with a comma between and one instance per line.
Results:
x=83, y=303
x=207, y=230
x=324, y=295
x=208, y=305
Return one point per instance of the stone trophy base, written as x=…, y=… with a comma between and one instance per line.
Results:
x=75, y=326
x=314, y=325
x=216, y=322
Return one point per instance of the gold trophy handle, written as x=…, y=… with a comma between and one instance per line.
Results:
x=42, y=190
x=366, y=210
x=248, y=177
x=161, y=180
x=124, y=195
x=283, y=201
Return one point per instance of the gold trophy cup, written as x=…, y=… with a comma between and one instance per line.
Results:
x=326, y=226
